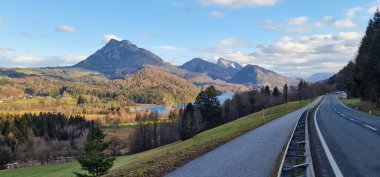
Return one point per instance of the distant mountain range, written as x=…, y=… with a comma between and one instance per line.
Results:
x=319, y=76
x=253, y=75
x=118, y=59
x=215, y=71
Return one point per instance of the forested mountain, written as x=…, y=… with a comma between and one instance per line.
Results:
x=155, y=86
x=147, y=85
x=253, y=75
x=213, y=70
x=202, y=80
x=118, y=58
x=224, y=63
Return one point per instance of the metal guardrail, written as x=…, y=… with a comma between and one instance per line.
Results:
x=297, y=161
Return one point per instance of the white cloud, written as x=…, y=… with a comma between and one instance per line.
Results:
x=297, y=21
x=27, y=60
x=347, y=21
x=232, y=42
x=318, y=24
x=348, y=36
x=329, y=20
x=352, y=12
x=371, y=10
x=239, y=3
x=167, y=47
x=268, y=28
x=108, y=37
x=285, y=39
x=316, y=38
x=216, y=14
x=345, y=24
x=295, y=25
x=296, y=56
x=5, y=49
x=65, y=29
x=297, y=30
x=72, y=58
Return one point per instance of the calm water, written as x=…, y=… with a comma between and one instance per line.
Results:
x=165, y=109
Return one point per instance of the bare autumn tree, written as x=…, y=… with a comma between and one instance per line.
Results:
x=116, y=145
x=154, y=117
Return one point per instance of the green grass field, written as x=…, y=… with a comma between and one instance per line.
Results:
x=159, y=161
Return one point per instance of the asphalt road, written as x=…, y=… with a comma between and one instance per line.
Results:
x=253, y=154
x=352, y=138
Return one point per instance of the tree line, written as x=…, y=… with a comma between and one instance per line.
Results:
x=206, y=112
x=361, y=77
x=43, y=137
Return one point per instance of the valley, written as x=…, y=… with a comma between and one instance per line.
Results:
x=195, y=88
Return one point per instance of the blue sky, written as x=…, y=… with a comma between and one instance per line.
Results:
x=292, y=37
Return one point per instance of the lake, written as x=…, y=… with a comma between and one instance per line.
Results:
x=165, y=109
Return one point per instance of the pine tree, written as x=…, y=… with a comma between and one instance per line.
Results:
x=367, y=62
x=208, y=105
x=285, y=90
x=190, y=122
x=94, y=161
x=267, y=90
x=276, y=92
x=80, y=100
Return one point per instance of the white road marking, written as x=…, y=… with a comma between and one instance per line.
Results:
x=370, y=127
x=341, y=103
x=331, y=159
x=353, y=119
x=342, y=115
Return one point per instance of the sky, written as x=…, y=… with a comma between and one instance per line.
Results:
x=295, y=38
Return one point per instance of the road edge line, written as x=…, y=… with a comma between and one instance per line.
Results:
x=331, y=159
x=360, y=112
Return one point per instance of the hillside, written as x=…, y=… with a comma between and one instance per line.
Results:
x=162, y=87
x=118, y=58
x=144, y=86
x=202, y=80
x=253, y=75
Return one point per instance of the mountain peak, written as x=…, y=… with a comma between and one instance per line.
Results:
x=224, y=63
x=121, y=44
x=254, y=75
x=215, y=71
x=118, y=58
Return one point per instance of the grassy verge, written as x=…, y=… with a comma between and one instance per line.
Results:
x=159, y=161
x=364, y=106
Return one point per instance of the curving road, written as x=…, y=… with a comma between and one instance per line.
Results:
x=353, y=139
x=250, y=155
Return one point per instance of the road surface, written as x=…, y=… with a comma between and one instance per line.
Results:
x=253, y=154
x=352, y=138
